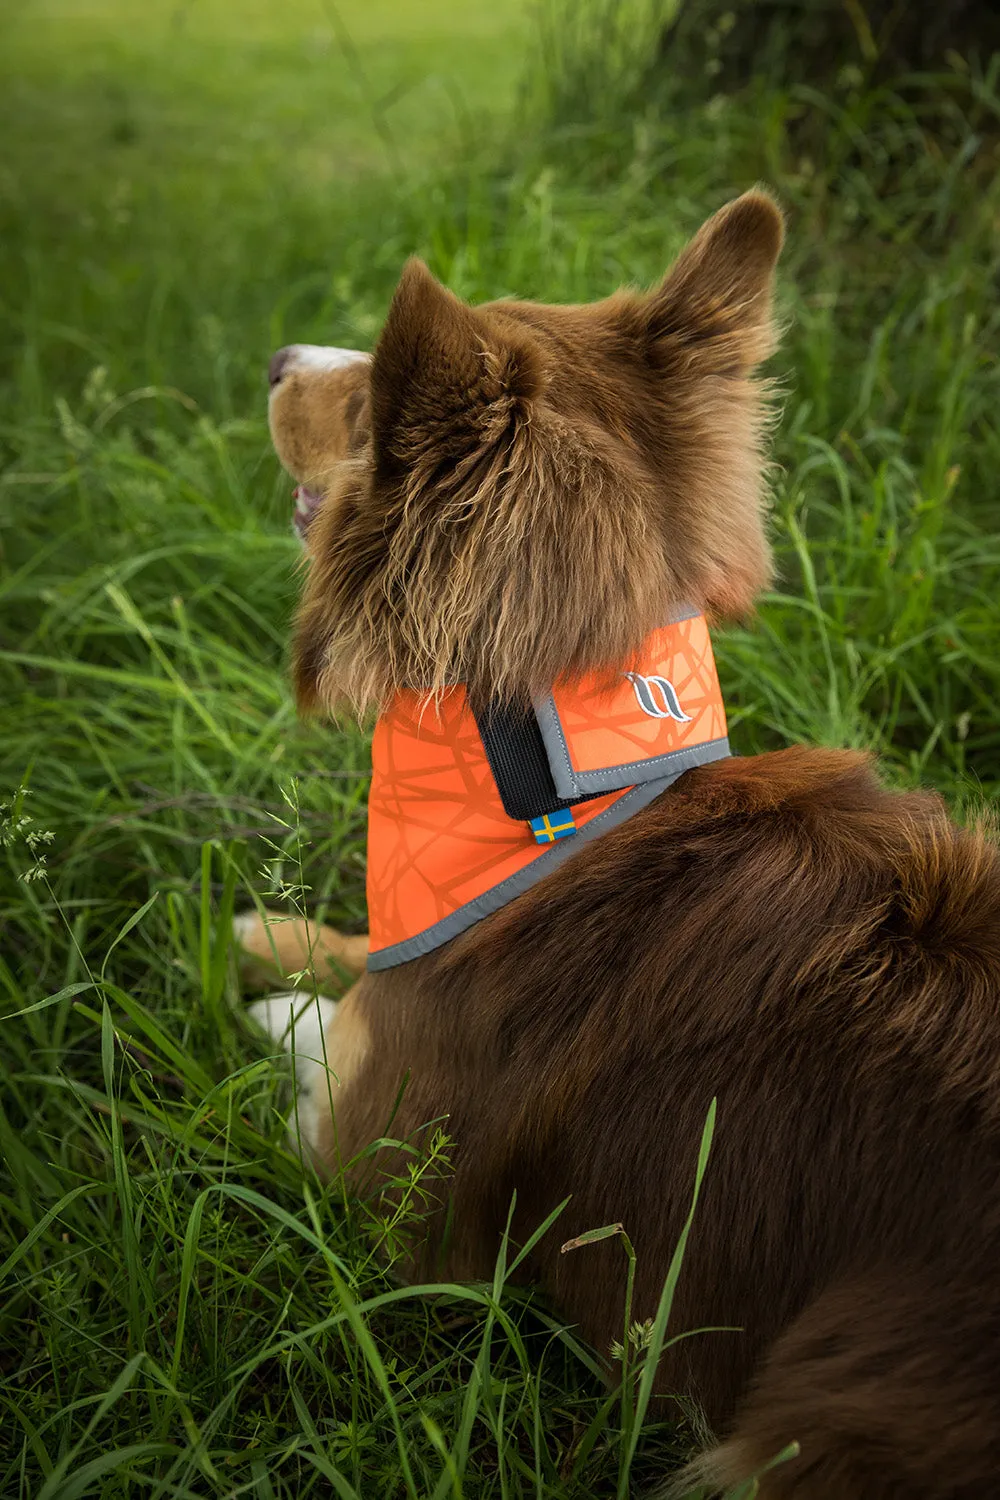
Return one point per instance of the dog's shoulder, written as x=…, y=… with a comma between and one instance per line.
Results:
x=792, y=888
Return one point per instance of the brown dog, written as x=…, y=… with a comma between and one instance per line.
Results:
x=514, y=495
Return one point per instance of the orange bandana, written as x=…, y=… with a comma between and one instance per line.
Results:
x=443, y=853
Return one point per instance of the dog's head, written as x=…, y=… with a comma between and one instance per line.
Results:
x=515, y=493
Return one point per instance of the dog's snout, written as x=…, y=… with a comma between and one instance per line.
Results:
x=277, y=365
x=312, y=359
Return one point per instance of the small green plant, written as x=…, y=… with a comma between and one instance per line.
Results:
x=644, y=1343
x=18, y=827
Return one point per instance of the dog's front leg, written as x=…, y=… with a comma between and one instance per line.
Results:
x=276, y=948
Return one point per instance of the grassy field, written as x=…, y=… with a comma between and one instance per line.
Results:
x=182, y=189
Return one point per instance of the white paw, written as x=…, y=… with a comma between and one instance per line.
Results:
x=298, y=1021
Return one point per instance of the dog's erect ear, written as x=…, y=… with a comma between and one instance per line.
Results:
x=716, y=299
x=442, y=377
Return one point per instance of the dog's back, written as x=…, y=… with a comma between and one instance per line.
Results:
x=824, y=958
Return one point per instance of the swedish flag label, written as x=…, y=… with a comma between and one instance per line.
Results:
x=552, y=826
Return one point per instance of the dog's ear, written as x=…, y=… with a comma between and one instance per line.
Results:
x=442, y=378
x=715, y=303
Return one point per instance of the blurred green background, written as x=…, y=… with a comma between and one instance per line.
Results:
x=183, y=188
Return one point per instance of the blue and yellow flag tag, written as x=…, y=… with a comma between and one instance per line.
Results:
x=552, y=826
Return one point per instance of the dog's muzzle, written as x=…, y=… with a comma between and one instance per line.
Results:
x=316, y=358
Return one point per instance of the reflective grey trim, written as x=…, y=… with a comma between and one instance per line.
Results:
x=681, y=613
x=570, y=783
x=550, y=859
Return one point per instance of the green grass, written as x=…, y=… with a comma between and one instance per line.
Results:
x=183, y=1312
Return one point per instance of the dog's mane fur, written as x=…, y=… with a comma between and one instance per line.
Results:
x=540, y=485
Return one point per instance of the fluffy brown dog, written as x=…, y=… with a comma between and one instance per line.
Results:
x=515, y=494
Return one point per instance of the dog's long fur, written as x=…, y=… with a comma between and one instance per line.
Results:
x=540, y=484
x=519, y=495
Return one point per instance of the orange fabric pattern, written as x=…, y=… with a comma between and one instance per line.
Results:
x=437, y=832
x=602, y=720
x=438, y=836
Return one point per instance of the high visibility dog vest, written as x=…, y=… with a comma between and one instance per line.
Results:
x=464, y=814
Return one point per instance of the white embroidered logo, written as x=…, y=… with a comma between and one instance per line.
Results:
x=656, y=696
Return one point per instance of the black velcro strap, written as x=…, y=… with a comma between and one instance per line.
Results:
x=516, y=754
